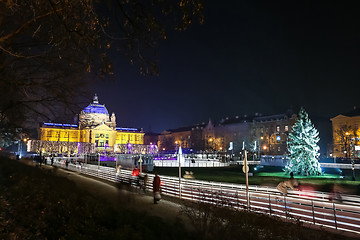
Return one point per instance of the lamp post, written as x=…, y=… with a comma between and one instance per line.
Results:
x=346, y=144
x=179, y=159
x=262, y=146
x=246, y=170
x=211, y=144
x=19, y=142
x=140, y=161
x=255, y=146
x=352, y=156
x=98, y=160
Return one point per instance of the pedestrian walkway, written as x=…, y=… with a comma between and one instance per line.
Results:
x=169, y=211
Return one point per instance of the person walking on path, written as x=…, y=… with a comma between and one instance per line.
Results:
x=291, y=183
x=145, y=179
x=335, y=194
x=156, y=188
x=41, y=159
x=135, y=176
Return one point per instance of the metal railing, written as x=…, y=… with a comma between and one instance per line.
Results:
x=309, y=207
x=339, y=165
x=189, y=163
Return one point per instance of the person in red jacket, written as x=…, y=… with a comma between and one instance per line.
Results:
x=156, y=188
x=135, y=176
x=135, y=172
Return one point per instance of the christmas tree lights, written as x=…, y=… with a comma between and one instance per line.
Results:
x=303, y=149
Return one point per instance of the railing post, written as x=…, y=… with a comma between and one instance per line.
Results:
x=286, y=214
x=191, y=192
x=237, y=199
x=248, y=200
x=270, y=203
x=335, y=215
x=312, y=208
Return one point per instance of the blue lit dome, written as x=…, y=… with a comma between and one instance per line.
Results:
x=95, y=107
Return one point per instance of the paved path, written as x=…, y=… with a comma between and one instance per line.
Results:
x=167, y=210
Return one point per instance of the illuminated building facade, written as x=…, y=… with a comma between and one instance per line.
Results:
x=346, y=133
x=95, y=126
x=186, y=137
x=271, y=132
x=260, y=135
x=174, y=138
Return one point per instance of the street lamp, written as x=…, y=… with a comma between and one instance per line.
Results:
x=346, y=143
x=179, y=157
x=352, y=157
x=255, y=147
x=211, y=144
x=140, y=163
x=98, y=161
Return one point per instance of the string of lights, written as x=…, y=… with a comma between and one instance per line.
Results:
x=60, y=147
x=135, y=149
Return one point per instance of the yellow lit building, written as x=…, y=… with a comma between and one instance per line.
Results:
x=346, y=133
x=95, y=126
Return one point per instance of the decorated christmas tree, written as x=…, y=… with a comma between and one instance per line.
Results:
x=303, y=149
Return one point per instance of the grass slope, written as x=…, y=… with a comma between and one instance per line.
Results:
x=269, y=176
x=36, y=204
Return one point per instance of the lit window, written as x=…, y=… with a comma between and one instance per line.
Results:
x=278, y=128
x=286, y=128
x=278, y=149
x=96, y=135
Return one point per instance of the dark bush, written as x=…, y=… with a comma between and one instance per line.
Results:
x=36, y=204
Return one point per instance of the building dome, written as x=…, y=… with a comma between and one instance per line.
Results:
x=94, y=114
x=95, y=107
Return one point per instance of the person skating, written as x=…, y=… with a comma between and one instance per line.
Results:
x=156, y=188
x=291, y=183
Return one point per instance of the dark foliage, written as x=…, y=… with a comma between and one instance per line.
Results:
x=216, y=222
x=36, y=204
x=50, y=50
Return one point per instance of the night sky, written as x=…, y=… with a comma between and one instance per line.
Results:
x=248, y=57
